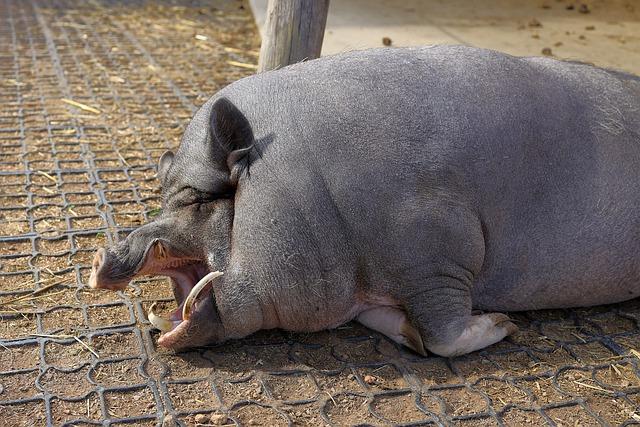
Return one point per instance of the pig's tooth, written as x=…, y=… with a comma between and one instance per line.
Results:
x=159, y=322
x=195, y=291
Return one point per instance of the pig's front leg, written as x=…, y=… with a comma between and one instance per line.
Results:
x=393, y=322
x=442, y=315
x=479, y=332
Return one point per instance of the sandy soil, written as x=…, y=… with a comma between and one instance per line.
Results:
x=604, y=32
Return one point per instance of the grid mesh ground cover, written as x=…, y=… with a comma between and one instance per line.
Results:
x=91, y=93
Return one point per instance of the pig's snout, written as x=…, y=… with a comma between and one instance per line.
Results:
x=98, y=261
x=99, y=278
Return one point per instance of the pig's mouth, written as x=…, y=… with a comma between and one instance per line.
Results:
x=189, y=278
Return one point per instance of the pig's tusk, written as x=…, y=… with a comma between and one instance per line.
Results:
x=161, y=323
x=195, y=291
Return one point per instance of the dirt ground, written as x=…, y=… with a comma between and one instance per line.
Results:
x=604, y=32
x=91, y=93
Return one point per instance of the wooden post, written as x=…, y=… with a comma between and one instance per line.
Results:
x=293, y=32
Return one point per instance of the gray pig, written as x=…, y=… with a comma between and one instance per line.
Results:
x=401, y=188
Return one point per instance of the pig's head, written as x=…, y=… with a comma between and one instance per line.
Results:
x=191, y=237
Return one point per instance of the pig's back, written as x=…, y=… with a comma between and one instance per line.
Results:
x=547, y=153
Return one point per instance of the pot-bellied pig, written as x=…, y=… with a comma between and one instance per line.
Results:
x=401, y=188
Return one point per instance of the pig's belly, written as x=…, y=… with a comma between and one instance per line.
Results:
x=563, y=276
x=535, y=296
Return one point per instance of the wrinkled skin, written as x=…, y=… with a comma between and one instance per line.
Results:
x=402, y=188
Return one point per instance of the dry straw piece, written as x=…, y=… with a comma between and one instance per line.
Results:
x=80, y=106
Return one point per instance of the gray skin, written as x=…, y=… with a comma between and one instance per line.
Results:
x=429, y=181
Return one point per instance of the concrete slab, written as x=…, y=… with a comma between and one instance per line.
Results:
x=605, y=32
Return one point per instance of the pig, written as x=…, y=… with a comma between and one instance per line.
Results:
x=423, y=192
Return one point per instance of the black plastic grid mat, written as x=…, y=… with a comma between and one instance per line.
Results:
x=91, y=93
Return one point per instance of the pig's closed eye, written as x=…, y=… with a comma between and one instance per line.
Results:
x=203, y=196
x=199, y=197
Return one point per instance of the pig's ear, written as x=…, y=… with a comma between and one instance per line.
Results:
x=164, y=163
x=230, y=128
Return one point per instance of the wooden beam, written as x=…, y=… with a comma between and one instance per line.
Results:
x=293, y=32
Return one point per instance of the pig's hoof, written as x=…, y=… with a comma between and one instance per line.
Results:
x=481, y=331
x=394, y=323
x=503, y=321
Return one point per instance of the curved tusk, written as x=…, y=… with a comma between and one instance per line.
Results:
x=161, y=323
x=195, y=291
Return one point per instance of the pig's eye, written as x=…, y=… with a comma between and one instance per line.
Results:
x=202, y=196
x=195, y=196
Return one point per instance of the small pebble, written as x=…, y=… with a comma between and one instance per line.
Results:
x=370, y=379
x=584, y=8
x=547, y=51
x=386, y=41
x=201, y=418
x=169, y=421
x=218, y=419
x=535, y=23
